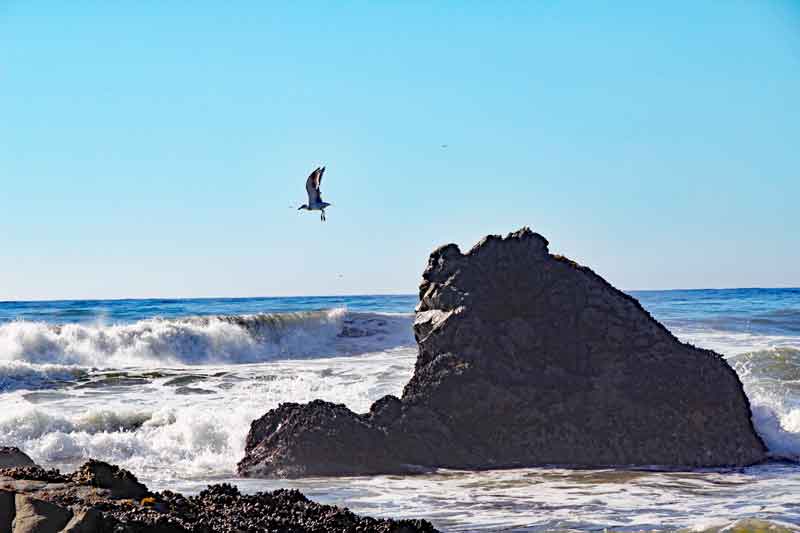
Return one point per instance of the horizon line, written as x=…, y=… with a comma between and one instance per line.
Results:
x=349, y=295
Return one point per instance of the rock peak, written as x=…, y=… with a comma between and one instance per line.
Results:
x=524, y=235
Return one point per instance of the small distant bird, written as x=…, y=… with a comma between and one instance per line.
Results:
x=444, y=146
x=315, y=202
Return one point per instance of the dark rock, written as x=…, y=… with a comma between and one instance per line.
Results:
x=223, y=508
x=352, y=443
x=7, y=510
x=86, y=521
x=121, y=483
x=11, y=457
x=525, y=358
x=75, y=507
x=35, y=473
x=385, y=411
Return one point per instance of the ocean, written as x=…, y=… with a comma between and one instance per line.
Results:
x=168, y=388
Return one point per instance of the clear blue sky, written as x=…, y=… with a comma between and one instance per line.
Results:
x=154, y=148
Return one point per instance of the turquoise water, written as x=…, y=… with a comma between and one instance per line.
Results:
x=168, y=388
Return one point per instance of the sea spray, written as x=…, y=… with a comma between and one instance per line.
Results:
x=155, y=431
x=771, y=379
x=232, y=339
x=15, y=375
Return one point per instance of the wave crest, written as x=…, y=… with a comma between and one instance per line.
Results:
x=204, y=340
x=16, y=375
x=771, y=379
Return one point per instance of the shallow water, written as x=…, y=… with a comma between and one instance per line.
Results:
x=168, y=388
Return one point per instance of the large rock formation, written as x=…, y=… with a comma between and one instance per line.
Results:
x=525, y=358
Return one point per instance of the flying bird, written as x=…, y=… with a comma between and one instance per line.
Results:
x=315, y=202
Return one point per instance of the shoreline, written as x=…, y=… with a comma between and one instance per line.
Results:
x=101, y=497
x=519, y=517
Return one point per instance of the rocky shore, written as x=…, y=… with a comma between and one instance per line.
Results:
x=525, y=358
x=100, y=498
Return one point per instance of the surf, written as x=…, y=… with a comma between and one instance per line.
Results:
x=198, y=340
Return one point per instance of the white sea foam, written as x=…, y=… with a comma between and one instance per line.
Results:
x=204, y=340
x=769, y=368
x=16, y=375
x=140, y=418
x=731, y=343
x=771, y=379
x=162, y=434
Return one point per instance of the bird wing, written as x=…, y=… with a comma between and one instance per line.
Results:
x=312, y=185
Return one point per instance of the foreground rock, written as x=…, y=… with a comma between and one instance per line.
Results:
x=11, y=456
x=100, y=498
x=525, y=358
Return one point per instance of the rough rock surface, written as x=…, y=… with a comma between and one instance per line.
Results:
x=11, y=457
x=33, y=500
x=352, y=443
x=38, y=516
x=120, y=483
x=525, y=358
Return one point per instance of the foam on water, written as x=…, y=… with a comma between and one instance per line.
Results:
x=769, y=368
x=204, y=339
x=772, y=382
x=16, y=375
x=158, y=431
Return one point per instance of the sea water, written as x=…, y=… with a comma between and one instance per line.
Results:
x=168, y=388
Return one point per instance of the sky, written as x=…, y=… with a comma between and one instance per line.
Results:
x=154, y=149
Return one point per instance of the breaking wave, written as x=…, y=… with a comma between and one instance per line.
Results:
x=156, y=432
x=771, y=379
x=15, y=375
x=191, y=439
x=202, y=339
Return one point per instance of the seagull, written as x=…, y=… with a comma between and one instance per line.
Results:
x=315, y=202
